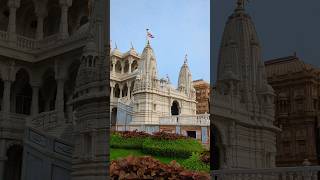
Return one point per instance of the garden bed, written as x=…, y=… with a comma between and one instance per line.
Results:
x=164, y=147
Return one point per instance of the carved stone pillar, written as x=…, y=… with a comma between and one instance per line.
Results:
x=6, y=98
x=60, y=99
x=12, y=27
x=121, y=87
x=65, y=4
x=112, y=89
x=128, y=92
x=130, y=63
x=35, y=99
x=122, y=67
x=41, y=13
x=113, y=65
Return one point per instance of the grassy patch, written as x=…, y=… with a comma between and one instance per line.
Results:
x=116, y=153
x=117, y=141
x=182, y=148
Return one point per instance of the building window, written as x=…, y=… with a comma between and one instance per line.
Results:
x=154, y=107
x=301, y=147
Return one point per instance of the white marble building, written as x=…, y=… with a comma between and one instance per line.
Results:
x=243, y=143
x=141, y=100
x=242, y=107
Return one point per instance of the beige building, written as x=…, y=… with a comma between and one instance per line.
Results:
x=202, y=95
x=297, y=90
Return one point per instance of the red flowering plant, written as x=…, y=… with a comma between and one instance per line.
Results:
x=147, y=167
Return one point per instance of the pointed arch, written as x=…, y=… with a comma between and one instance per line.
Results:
x=21, y=93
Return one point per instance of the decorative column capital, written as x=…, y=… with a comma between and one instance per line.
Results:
x=35, y=84
x=14, y=4
x=41, y=8
x=130, y=59
x=128, y=84
x=65, y=3
x=113, y=61
x=112, y=84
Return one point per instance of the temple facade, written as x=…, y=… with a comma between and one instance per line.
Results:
x=142, y=101
x=296, y=86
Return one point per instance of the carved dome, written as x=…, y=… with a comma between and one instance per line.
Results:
x=240, y=58
x=185, y=77
x=148, y=65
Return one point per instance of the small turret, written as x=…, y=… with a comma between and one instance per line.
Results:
x=185, y=78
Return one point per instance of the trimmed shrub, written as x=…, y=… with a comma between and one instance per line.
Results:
x=171, y=148
x=167, y=136
x=195, y=163
x=149, y=168
x=133, y=134
x=117, y=141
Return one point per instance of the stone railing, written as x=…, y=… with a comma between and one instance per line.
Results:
x=48, y=41
x=279, y=173
x=198, y=120
x=26, y=43
x=33, y=44
x=45, y=120
x=3, y=35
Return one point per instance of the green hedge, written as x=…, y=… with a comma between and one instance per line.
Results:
x=171, y=148
x=194, y=163
x=117, y=141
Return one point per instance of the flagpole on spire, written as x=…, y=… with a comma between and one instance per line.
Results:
x=186, y=58
x=148, y=38
x=149, y=35
x=115, y=43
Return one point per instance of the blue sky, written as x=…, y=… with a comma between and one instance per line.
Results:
x=179, y=27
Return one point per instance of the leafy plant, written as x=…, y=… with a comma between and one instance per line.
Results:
x=131, y=134
x=149, y=168
x=205, y=157
x=195, y=163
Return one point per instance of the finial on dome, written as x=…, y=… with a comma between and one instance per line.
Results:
x=186, y=59
x=168, y=79
x=241, y=4
x=132, y=45
x=115, y=43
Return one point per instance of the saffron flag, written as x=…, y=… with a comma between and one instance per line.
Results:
x=150, y=35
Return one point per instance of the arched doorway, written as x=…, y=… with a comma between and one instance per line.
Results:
x=217, y=150
x=134, y=65
x=21, y=93
x=13, y=164
x=116, y=91
x=175, y=109
x=113, y=118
